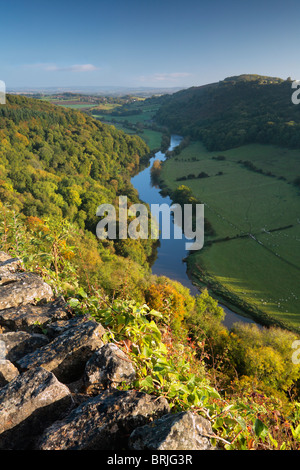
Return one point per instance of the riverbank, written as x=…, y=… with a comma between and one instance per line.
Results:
x=249, y=263
x=171, y=253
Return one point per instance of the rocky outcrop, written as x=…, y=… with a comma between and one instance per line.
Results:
x=7, y=372
x=178, y=431
x=22, y=288
x=58, y=380
x=103, y=422
x=35, y=318
x=19, y=343
x=108, y=367
x=29, y=403
x=67, y=354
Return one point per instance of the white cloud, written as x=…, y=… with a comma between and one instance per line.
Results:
x=72, y=68
x=69, y=68
x=165, y=77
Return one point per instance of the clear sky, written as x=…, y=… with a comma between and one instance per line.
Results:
x=157, y=43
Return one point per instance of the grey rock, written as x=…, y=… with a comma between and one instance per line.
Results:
x=180, y=431
x=20, y=343
x=28, y=404
x=8, y=264
x=56, y=328
x=7, y=372
x=67, y=354
x=34, y=318
x=22, y=288
x=109, y=366
x=103, y=422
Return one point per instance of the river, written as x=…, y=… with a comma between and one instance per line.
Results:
x=171, y=252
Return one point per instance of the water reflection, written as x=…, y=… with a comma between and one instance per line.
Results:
x=171, y=252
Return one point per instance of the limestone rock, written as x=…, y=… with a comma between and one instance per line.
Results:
x=34, y=318
x=58, y=327
x=109, y=366
x=180, y=431
x=22, y=288
x=8, y=264
x=29, y=404
x=67, y=354
x=7, y=372
x=20, y=343
x=103, y=422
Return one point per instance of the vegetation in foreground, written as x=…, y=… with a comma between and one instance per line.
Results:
x=243, y=380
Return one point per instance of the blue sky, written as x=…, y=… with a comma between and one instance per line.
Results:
x=157, y=43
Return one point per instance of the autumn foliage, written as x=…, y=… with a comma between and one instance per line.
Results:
x=171, y=303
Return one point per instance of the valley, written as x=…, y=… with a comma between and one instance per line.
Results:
x=150, y=228
x=252, y=259
x=168, y=309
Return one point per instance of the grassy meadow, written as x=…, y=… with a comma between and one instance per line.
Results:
x=253, y=259
x=73, y=103
x=138, y=124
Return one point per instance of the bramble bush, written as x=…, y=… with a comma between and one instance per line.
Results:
x=243, y=418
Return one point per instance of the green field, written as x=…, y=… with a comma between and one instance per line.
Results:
x=146, y=116
x=139, y=124
x=257, y=266
x=152, y=138
x=72, y=103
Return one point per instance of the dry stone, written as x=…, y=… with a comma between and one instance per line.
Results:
x=8, y=264
x=34, y=318
x=103, y=422
x=28, y=404
x=109, y=366
x=20, y=343
x=7, y=372
x=58, y=327
x=180, y=431
x=22, y=288
x=67, y=354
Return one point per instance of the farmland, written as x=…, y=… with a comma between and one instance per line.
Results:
x=86, y=103
x=137, y=119
x=253, y=259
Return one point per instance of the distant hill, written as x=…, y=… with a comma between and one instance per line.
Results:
x=238, y=110
x=95, y=90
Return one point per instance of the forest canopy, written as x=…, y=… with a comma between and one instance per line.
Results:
x=57, y=162
x=236, y=111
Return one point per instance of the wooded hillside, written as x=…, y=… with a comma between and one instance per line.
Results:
x=236, y=111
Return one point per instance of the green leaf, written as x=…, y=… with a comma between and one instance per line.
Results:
x=82, y=293
x=147, y=382
x=259, y=428
x=155, y=313
x=296, y=432
x=147, y=352
x=73, y=302
x=273, y=441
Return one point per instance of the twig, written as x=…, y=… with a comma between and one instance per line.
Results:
x=213, y=436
